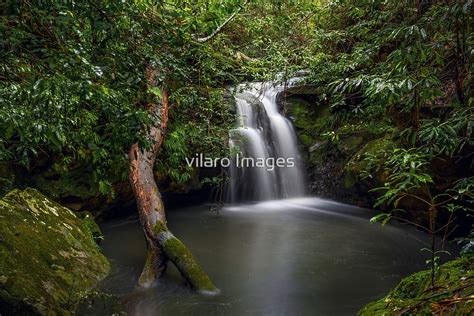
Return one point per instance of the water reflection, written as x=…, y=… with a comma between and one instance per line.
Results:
x=301, y=256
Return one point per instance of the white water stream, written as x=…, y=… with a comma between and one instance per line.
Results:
x=263, y=133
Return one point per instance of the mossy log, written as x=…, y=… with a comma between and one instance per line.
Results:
x=162, y=245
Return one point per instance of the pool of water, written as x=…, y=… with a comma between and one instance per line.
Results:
x=290, y=257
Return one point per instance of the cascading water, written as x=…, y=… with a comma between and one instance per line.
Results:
x=263, y=134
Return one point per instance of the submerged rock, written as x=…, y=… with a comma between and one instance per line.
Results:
x=414, y=295
x=48, y=256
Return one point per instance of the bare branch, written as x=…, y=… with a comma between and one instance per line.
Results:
x=220, y=27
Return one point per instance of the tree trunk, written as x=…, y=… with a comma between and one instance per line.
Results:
x=162, y=245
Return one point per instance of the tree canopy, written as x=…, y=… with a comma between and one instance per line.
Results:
x=72, y=82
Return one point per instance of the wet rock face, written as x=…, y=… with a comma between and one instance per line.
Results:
x=327, y=160
x=48, y=256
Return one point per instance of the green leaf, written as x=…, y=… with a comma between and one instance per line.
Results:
x=382, y=217
x=156, y=91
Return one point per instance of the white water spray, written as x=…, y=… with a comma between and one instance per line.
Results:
x=263, y=132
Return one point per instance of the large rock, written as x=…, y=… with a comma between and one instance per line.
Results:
x=328, y=148
x=414, y=295
x=48, y=257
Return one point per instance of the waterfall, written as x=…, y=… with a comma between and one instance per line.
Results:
x=263, y=134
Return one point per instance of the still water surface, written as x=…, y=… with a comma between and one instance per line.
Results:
x=289, y=257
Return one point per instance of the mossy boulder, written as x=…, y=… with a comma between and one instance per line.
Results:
x=49, y=258
x=414, y=295
x=308, y=117
x=334, y=147
x=357, y=162
x=375, y=148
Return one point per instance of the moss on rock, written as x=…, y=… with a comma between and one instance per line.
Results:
x=309, y=119
x=91, y=226
x=357, y=163
x=375, y=147
x=49, y=259
x=453, y=294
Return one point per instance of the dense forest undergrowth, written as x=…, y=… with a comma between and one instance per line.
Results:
x=384, y=116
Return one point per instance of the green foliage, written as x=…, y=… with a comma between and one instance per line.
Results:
x=407, y=64
x=447, y=136
x=72, y=83
x=404, y=63
x=200, y=124
x=72, y=89
x=407, y=173
x=376, y=56
x=69, y=86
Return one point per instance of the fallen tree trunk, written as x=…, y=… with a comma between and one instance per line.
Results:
x=162, y=245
